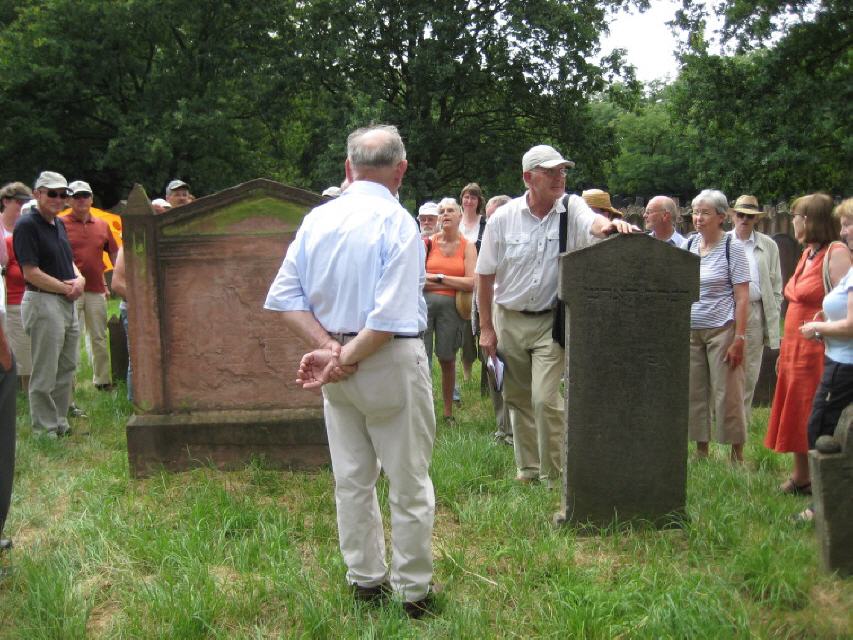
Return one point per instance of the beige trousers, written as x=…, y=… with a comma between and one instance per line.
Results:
x=753, y=354
x=51, y=322
x=382, y=417
x=19, y=341
x=92, y=314
x=534, y=366
x=714, y=384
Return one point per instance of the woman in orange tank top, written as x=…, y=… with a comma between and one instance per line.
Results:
x=450, y=266
x=800, y=363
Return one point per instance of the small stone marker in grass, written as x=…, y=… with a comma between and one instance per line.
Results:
x=627, y=365
x=831, y=469
x=213, y=373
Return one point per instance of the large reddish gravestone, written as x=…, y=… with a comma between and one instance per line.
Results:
x=213, y=372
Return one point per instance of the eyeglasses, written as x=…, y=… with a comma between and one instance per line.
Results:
x=748, y=216
x=52, y=193
x=553, y=172
x=704, y=212
x=81, y=196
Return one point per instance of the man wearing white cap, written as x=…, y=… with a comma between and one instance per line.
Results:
x=178, y=193
x=428, y=219
x=90, y=237
x=517, y=269
x=48, y=311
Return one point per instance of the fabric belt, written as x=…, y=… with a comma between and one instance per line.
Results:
x=344, y=337
x=541, y=312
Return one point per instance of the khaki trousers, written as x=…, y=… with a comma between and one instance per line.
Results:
x=534, y=367
x=92, y=315
x=19, y=341
x=714, y=384
x=51, y=322
x=382, y=417
x=753, y=354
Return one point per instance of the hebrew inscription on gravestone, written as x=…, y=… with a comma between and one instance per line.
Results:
x=627, y=361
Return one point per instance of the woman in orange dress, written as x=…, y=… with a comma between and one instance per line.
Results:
x=800, y=363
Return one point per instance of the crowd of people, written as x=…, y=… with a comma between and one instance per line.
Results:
x=375, y=293
x=55, y=250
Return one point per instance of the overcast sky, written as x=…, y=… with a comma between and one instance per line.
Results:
x=648, y=40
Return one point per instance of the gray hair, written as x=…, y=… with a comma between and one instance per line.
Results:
x=367, y=150
x=713, y=197
x=498, y=201
x=449, y=202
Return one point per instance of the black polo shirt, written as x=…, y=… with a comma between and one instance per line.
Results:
x=41, y=244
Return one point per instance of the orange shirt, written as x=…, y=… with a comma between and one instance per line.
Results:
x=89, y=240
x=113, y=222
x=437, y=262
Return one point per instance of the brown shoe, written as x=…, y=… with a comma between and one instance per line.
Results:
x=791, y=488
x=417, y=609
x=371, y=595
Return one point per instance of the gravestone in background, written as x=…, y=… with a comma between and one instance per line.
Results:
x=213, y=373
x=627, y=398
x=789, y=255
x=831, y=469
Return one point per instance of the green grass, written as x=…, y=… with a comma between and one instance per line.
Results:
x=253, y=553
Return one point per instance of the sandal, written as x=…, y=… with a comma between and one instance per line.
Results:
x=791, y=488
x=805, y=516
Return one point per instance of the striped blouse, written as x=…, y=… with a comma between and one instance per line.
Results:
x=717, y=275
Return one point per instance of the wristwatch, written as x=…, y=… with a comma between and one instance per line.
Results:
x=439, y=277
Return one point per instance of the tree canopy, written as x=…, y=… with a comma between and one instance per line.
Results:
x=220, y=91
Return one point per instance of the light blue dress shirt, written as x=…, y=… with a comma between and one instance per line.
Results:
x=356, y=262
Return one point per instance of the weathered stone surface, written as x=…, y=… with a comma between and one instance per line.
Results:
x=200, y=340
x=288, y=438
x=628, y=307
x=118, y=348
x=765, y=386
x=832, y=491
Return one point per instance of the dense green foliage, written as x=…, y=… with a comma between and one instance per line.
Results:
x=218, y=91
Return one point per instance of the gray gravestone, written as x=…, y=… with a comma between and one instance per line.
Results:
x=789, y=255
x=832, y=490
x=626, y=440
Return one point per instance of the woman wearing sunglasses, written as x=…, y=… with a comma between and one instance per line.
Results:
x=801, y=359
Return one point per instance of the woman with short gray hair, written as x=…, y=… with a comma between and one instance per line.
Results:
x=717, y=329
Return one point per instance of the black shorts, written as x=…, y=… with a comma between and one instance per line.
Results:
x=833, y=394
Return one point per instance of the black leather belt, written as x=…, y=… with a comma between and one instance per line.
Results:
x=541, y=312
x=397, y=336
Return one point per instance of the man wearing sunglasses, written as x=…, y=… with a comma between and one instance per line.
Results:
x=48, y=311
x=765, y=291
x=90, y=237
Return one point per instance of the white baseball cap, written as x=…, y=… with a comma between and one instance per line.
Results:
x=544, y=156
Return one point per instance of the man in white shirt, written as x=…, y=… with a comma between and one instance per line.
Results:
x=659, y=215
x=765, y=291
x=517, y=269
x=351, y=287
